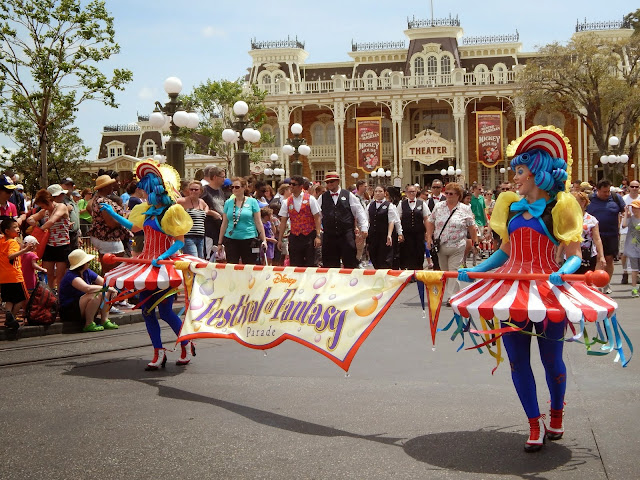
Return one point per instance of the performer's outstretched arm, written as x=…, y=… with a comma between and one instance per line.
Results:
x=105, y=207
x=494, y=261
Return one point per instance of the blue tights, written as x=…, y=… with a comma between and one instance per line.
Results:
x=165, y=308
x=518, y=347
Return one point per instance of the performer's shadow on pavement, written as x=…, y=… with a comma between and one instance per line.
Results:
x=484, y=451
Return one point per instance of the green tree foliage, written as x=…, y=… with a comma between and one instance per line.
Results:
x=633, y=19
x=66, y=155
x=213, y=100
x=49, y=56
x=594, y=78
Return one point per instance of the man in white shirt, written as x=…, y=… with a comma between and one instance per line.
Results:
x=341, y=212
x=303, y=212
x=634, y=193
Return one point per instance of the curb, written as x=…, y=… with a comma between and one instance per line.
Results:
x=58, y=327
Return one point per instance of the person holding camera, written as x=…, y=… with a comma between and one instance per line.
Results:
x=447, y=229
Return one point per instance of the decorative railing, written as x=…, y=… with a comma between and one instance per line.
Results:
x=484, y=39
x=121, y=128
x=433, y=22
x=611, y=25
x=143, y=118
x=317, y=152
x=288, y=43
x=392, y=82
x=368, y=46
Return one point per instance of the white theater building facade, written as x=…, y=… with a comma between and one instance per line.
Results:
x=429, y=95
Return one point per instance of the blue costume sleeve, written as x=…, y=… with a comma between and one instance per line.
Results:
x=105, y=207
x=177, y=245
x=494, y=261
x=570, y=266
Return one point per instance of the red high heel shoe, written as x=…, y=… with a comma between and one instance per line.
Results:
x=159, y=359
x=556, y=425
x=537, y=434
x=186, y=353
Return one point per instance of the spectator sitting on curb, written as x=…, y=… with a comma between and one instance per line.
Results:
x=80, y=294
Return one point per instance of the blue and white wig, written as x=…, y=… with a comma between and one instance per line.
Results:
x=550, y=173
x=154, y=186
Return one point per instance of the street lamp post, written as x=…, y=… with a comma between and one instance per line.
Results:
x=274, y=170
x=451, y=172
x=383, y=175
x=296, y=146
x=241, y=133
x=171, y=115
x=613, y=159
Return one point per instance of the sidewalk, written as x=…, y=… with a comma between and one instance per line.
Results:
x=60, y=326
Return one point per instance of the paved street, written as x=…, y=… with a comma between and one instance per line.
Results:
x=404, y=411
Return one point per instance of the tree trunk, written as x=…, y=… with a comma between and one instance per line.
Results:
x=44, y=175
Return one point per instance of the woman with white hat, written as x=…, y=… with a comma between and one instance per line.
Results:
x=80, y=294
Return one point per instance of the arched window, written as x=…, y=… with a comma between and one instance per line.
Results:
x=386, y=131
x=266, y=130
x=330, y=133
x=445, y=65
x=499, y=74
x=418, y=66
x=149, y=148
x=317, y=134
x=385, y=77
x=369, y=81
x=481, y=73
x=432, y=66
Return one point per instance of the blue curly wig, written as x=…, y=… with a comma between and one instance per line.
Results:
x=550, y=173
x=154, y=186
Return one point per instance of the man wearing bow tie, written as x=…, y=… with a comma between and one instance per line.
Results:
x=341, y=212
x=303, y=212
x=413, y=216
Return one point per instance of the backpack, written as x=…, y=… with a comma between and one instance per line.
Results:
x=42, y=306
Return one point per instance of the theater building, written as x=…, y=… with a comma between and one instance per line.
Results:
x=421, y=99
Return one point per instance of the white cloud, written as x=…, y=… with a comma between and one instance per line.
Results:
x=147, y=93
x=211, y=31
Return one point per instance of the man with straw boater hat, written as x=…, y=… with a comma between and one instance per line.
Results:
x=342, y=218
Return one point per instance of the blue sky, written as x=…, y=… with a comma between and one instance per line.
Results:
x=199, y=40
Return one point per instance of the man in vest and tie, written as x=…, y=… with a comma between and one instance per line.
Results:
x=303, y=213
x=413, y=216
x=341, y=211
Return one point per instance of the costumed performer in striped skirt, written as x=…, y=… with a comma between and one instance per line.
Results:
x=164, y=223
x=531, y=227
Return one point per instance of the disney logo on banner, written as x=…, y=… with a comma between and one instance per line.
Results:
x=282, y=278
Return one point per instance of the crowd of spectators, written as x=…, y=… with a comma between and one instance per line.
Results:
x=296, y=222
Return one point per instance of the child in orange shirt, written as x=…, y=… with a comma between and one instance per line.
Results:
x=11, y=279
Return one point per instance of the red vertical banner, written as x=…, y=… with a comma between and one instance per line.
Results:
x=368, y=137
x=489, y=138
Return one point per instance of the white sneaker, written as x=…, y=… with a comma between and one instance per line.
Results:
x=116, y=311
x=607, y=290
x=124, y=304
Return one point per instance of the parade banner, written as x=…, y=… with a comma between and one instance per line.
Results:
x=368, y=138
x=329, y=310
x=489, y=138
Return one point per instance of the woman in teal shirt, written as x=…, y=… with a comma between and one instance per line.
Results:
x=241, y=224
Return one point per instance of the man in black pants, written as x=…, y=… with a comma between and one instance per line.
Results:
x=303, y=212
x=214, y=197
x=413, y=216
x=341, y=211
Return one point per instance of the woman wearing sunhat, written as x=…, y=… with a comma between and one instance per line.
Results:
x=531, y=227
x=81, y=295
x=164, y=223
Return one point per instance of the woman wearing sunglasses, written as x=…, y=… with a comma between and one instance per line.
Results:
x=197, y=210
x=241, y=224
x=448, y=225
